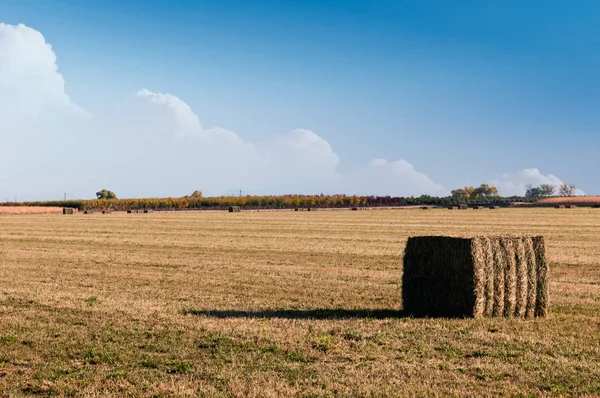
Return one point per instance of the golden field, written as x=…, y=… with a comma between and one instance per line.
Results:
x=267, y=304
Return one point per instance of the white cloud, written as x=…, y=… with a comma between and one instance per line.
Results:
x=516, y=183
x=394, y=178
x=30, y=84
x=155, y=144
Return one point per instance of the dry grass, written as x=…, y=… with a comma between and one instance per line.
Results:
x=279, y=304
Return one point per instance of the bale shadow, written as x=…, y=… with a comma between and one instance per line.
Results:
x=320, y=313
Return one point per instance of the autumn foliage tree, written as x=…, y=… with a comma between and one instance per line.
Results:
x=471, y=193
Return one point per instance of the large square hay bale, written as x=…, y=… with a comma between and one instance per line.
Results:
x=234, y=209
x=475, y=277
x=68, y=210
x=463, y=207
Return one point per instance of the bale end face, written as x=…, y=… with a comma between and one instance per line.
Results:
x=475, y=277
x=234, y=209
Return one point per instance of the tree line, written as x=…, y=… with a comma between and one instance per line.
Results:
x=484, y=194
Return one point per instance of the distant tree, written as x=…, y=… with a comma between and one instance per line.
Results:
x=196, y=194
x=106, y=194
x=547, y=190
x=485, y=190
x=459, y=194
x=566, y=189
x=532, y=192
x=468, y=192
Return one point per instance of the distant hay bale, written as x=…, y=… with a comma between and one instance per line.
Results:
x=463, y=206
x=570, y=206
x=475, y=277
x=425, y=208
x=68, y=210
x=129, y=211
x=308, y=209
x=296, y=209
x=354, y=208
x=559, y=207
x=107, y=211
x=146, y=211
x=494, y=207
x=234, y=209
x=451, y=207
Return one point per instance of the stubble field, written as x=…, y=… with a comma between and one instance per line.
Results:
x=270, y=304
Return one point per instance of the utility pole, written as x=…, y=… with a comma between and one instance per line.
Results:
x=240, y=192
x=65, y=197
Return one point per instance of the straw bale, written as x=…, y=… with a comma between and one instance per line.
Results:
x=234, y=209
x=485, y=276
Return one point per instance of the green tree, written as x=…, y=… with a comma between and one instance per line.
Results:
x=547, y=190
x=197, y=194
x=106, y=194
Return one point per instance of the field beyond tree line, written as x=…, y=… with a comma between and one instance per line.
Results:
x=268, y=304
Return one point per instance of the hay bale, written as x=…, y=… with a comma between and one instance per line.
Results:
x=107, y=211
x=463, y=206
x=451, y=207
x=425, y=208
x=308, y=209
x=559, y=207
x=234, y=209
x=570, y=206
x=146, y=211
x=494, y=276
x=494, y=207
x=68, y=210
x=354, y=208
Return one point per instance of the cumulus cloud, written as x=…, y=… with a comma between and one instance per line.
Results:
x=394, y=178
x=516, y=183
x=30, y=84
x=155, y=144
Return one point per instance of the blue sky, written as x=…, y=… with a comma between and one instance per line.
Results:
x=464, y=91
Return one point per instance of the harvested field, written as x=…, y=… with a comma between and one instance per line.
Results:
x=572, y=200
x=18, y=210
x=267, y=304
